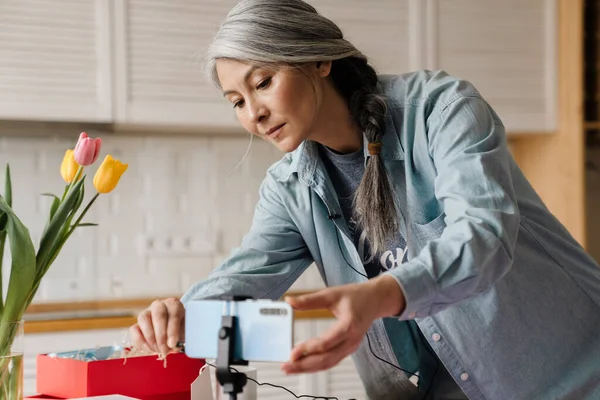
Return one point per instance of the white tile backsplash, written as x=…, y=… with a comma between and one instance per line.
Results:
x=179, y=209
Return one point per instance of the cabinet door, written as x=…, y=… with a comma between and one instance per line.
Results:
x=160, y=48
x=55, y=60
x=159, y=54
x=381, y=30
x=507, y=49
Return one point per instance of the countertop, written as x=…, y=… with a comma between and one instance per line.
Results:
x=105, y=314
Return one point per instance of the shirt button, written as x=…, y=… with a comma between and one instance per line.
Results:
x=436, y=337
x=464, y=376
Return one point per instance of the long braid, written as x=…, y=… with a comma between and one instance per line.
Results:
x=374, y=201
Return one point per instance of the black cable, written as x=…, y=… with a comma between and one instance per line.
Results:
x=281, y=387
x=405, y=371
x=337, y=234
x=386, y=361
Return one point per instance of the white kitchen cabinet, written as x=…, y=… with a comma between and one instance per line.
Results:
x=507, y=49
x=55, y=60
x=139, y=62
x=385, y=33
x=159, y=54
x=160, y=47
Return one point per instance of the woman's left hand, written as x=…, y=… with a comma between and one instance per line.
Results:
x=355, y=307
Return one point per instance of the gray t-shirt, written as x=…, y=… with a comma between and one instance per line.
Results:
x=345, y=172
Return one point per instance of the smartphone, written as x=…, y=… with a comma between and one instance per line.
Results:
x=264, y=334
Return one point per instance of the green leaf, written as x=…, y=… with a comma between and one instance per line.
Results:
x=79, y=201
x=63, y=235
x=3, y=223
x=53, y=207
x=56, y=249
x=67, y=186
x=85, y=224
x=22, y=273
x=54, y=233
x=8, y=187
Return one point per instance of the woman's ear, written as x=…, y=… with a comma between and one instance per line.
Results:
x=324, y=68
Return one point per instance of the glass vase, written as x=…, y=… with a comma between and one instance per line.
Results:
x=11, y=360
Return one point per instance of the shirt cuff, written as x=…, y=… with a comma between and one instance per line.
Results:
x=418, y=287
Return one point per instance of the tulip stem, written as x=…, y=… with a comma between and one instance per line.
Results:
x=85, y=210
x=75, y=179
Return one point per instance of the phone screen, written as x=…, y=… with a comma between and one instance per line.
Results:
x=265, y=329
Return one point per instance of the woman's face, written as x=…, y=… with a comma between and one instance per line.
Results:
x=280, y=105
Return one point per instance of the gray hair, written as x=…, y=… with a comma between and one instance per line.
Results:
x=292, y=32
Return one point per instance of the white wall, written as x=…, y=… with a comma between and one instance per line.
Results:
x=177, y=212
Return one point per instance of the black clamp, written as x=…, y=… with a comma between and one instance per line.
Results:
x=231, y=381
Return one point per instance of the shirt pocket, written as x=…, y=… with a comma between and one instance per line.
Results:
x=430, y=230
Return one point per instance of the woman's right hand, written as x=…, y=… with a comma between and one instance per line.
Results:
x=160, y=327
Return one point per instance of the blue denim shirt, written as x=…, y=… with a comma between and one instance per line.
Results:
x=505, y=296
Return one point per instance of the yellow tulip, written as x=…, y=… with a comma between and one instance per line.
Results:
x=108, y=174
x=69, y=166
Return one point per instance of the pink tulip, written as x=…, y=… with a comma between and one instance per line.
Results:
x=87, y=149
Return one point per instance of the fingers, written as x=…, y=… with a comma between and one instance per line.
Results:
x=137, y=337
x=160, y=317
x=182, y=329
x=175, y=322
x=321, y=299
x=321, y=361
x=159, y=327
x=332, y=338
x=148, y=340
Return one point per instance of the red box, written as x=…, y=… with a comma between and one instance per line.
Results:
x=143, y=377
x=170, y=396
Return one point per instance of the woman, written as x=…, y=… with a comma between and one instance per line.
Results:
x=438, y=255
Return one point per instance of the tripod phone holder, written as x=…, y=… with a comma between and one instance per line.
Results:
x=232, y=382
